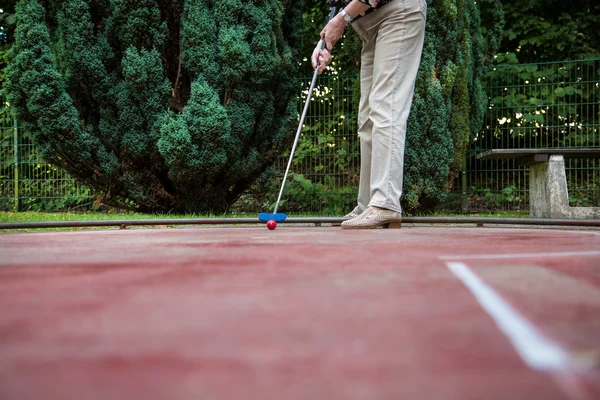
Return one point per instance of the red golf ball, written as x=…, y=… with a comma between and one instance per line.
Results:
x=271, y=225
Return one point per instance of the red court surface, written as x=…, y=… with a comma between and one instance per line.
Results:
x=300, y=313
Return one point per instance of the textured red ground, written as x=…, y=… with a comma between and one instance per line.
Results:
x=296, y=313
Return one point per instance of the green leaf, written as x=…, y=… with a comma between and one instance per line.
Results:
x=539, y=118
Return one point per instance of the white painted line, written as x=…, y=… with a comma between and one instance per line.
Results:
x=536, y=350
x=522, y=255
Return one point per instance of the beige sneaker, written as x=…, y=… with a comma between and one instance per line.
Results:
x=354, y=213
x=374, y=217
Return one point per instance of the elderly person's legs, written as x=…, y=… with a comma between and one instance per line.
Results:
x=392, y=45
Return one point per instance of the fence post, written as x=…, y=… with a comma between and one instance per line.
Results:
x=16, y=163
x=463, y=172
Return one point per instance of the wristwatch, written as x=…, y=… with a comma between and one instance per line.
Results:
x=346, y=16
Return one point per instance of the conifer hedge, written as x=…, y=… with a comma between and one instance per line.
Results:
x=181, y=105
x=175, y=105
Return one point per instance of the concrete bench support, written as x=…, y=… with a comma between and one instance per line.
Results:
x=548, y=194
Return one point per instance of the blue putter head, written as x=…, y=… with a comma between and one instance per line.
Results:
x=266, y=217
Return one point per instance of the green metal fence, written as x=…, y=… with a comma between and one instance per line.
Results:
x=536, y=105
x=530, y=106
x=28, y=183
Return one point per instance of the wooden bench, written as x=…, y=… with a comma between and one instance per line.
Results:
x=548, y=194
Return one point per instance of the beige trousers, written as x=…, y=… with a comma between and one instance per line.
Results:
x=392, y=39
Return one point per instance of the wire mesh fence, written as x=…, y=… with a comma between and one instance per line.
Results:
x=8, y=169
x=530, y=106
x=28, y=183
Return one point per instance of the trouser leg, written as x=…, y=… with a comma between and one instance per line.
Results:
x=365, y=125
